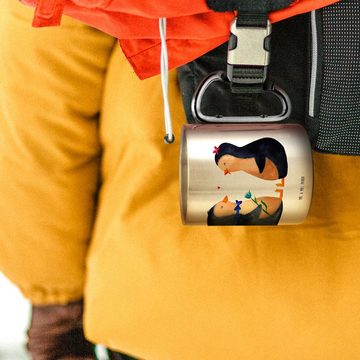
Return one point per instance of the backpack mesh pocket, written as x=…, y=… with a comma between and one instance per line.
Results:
x=334, y=98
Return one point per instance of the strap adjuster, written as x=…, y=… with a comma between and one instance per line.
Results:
x=248, y=57
x=48, y=13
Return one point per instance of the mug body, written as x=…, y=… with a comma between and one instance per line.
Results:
x=245, y=174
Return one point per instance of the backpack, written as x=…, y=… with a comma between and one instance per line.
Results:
x=315, y=59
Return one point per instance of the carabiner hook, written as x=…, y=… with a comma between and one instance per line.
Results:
x=222, y=77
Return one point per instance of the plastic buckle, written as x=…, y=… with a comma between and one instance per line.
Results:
x=248, y=57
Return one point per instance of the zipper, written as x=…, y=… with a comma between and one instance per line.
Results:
x=314, y=63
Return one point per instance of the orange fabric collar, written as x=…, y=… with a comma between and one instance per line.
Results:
x=192, y=28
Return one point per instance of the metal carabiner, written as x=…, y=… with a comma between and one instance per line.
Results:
x=221, y=76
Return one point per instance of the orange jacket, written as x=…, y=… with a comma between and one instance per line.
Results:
x=192, y=28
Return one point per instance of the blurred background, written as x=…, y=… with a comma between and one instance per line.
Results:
x=14, y=319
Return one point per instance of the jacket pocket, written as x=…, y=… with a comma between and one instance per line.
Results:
x=333, y=114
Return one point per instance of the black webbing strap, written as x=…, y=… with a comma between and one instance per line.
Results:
x=246, y=76
x=249, y=6
x=249, y=19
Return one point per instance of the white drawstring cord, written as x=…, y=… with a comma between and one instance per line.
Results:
x=169, y=137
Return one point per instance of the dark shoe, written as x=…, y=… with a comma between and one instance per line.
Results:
x=56, y=333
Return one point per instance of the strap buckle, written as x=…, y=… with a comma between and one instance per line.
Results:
x=248, y=55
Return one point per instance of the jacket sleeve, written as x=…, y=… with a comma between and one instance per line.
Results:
x=148, y=9
x=156, y=9
x=193, y=29
x=48, y=12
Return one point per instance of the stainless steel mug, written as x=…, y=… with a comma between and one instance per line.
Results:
x=245, y=174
